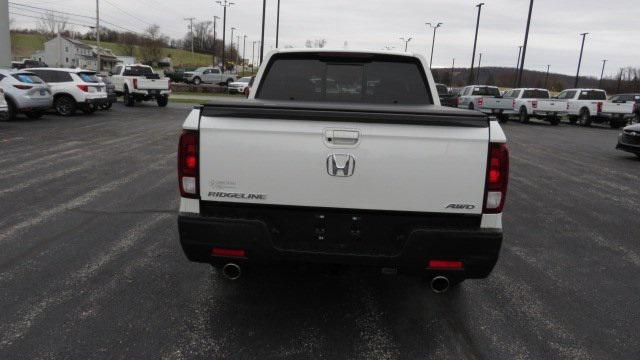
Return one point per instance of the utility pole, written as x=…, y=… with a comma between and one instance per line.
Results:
x=406, y=43
x=264, y=13
x=225, y=4
x=5, y=35
x=515, y=84
x=619, y=81
x=238, y=52
x=604, y=63
x=215, y=24
x=253, y=56
x=278, y=25
x=584, y=36
x=452, y=70
x=98, y=35
x=433, y=42
x=524, y=50
x=190, y=20
x=479, y=67
x=475, y=41
x=244, y=51
x=546, y=79
x=231, y=49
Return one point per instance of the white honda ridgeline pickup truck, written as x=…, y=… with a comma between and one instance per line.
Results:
x=345, y=158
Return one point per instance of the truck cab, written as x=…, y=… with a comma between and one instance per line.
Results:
x=343, y=158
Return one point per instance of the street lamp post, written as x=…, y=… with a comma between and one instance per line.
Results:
x=264, y=13
x=238, y=53
x=213, y=47
x=453, y=66
x=406, y=43
x=231, y=46
x=515, y=84
x=225, y=4
x=475, y=41
x=244, y=51
x=604, y=63
x=546, y=79
x=584, y=36
x=524, y=50
x=433, y=42
x=278, y=25
x=479, y=67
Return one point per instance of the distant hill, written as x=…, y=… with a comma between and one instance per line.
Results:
x=23, y=45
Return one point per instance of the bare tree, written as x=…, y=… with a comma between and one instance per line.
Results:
x=51, y=24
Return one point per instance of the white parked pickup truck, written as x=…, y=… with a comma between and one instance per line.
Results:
x=140, y=83
x=587, y=106
x=343, y=158
x=535, y=103
x=486, y=99
x=209, y=75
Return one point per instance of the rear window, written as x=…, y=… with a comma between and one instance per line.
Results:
x=592, y=95
x=28, y=78
x=486, y=91
x=137, y=71
x=374, y=80
x=89, y=77
x=535, y=94
x=567, y=94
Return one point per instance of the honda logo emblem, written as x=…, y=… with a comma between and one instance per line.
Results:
x=341, y=165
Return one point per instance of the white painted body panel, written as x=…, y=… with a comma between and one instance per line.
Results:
x=398, y=167
x=611, y=108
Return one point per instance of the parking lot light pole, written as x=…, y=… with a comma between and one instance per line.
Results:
x=604, y=63
x=524, y=50
x=278, y=25
x=5, y=35
x=453, y=66
x=244, y=51
x=584, y=36
x=238, y=53
x=433, y=42
x=406, y=43
x=479, y=66
x=546, y=79
x=264, y=13
x=515, y=84
x=231, y=48
x=225, y=4
x=213, y=47
x=475, y=42
x=98, y=60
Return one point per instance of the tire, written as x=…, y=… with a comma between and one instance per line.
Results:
x=106, y=106
x=34, y=115
x=11, y=112
x=554, y=120
x=197, y=81
x=162, y=101
x=129, y=100
x=65, y=105
x=585, y=118
x=503, y=118
x=523, y=116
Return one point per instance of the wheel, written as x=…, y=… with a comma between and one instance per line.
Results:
x=554, y=120
x=197, y=81
x=129, y=100
x=11, y=112
x=88, y=109
x=162, y=101
x=36, y=114
x=585, y=118
x=106, y=106
x=503, y=118
x=65, y=105
x=524, y=117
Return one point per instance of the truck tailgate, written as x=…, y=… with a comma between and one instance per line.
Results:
x=553, y=105
x=497, y=103
x=609, y=107
x=339, y=159
x=153, y=84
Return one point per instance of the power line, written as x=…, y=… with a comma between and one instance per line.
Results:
x=124, y=12
x=36, y=17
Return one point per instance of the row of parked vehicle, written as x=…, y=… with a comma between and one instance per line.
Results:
x=581, y=106
x=34, y=91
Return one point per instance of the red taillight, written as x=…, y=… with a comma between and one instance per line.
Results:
x=84, y=88
x=458, y=101
x=228, y=252
x=23, y=87
x=188, y=175
x=513, y=104
x=599, y=107
x=135, y=83
x=534, y=104
x=445, y=264
x=480, y=102
x=497, y=178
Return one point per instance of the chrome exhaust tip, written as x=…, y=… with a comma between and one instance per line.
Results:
x=231, y=271
x=439, y=284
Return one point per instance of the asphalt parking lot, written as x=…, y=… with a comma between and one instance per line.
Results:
x=90, y=265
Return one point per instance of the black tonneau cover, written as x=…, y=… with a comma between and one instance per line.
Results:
x=320, y=111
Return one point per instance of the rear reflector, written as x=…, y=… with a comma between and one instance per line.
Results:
x=188, y=173
x=480, y=102
x=497, y=178
x=445, y=264
x=599, y=107
x=228, y=252
x=23, y=87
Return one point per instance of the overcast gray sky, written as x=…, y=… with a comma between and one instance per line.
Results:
x=374, y=24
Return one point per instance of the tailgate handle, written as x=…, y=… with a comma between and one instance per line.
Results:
x=341, y=137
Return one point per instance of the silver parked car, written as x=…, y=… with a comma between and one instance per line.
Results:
x=25, y=93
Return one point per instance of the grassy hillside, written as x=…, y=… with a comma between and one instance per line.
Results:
x=23, y=45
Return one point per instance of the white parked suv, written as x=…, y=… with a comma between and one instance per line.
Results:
x=588, y=106
x=140, y=83
x=240, y=85
x=535, y=103
x=343, y=158
x=73, y=89
x=25, y=93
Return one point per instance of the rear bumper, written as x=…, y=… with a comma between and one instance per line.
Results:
x=150, y=94
x=97, y=101
x=409, y=250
